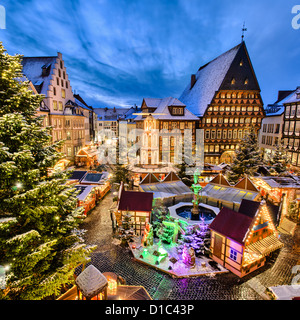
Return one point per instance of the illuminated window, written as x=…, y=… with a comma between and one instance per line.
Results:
x=63, y=93
x=60, y=106
x=246, y=81
x=54, y=105
x=233, y=81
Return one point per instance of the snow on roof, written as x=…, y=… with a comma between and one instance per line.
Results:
x=286, y=292
x=32, y=69
x=294, y=97
x=110, y=113
x=208, y=80
x=162, y=111
x=91, y=281
x=84, y=191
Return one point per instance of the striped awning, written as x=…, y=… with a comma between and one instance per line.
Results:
x=266, y=245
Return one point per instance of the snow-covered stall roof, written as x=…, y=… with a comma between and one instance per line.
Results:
x=166, y=189
x=84, y=191
x=286, y=292
x=91, y=281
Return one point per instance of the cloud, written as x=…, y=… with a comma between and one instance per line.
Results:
x=119, y=51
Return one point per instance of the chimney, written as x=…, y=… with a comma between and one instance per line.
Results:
x=193, y=80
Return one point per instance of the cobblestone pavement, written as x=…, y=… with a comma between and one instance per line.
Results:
x=109, y=257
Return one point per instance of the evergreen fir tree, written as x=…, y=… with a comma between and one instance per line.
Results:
x=39, y=217
x=125, y=231
x=166, y=233
x=194, y=237
x=247, y=158
x=278, y=160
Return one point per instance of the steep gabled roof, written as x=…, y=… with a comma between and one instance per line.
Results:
x=220, y=180
x=231, y=224
x=246, y=184
x=172, y=176
x=217, y=75
x=249, y=207
x=149, y=178
x=33, y=70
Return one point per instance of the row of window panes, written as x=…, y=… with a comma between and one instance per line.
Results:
x=177, y=125
x=290, y=111
x=232, y=120
x=61, y=82
x=295, y=158
x=225, y=134
x=217, y=147
x=63, y=92
x=78, y=134
x=291, y=126
x=234, y=108
x=270, y=128
x=76, y=124
x=177, y=110
x=291, y=142
x=240, y=95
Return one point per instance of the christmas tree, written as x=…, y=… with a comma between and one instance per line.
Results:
x=39, y=239
x=278, y=160
x=247, y=158
x=194, y=237
x=125, y=231
x=166, y=233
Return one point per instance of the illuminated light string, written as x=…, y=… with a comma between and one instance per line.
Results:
x=264, y=212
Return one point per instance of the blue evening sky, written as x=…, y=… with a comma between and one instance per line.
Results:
x=119, y=51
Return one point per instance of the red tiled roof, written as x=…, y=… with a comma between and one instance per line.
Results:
x=135, y=201
x=231, y=224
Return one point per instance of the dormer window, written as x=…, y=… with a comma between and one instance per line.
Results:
x=246, y=81
x=232, y=81
x=177, y=111
x=241, y=63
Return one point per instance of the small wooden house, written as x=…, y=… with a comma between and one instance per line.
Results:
x=136, y=203
x=91, y=284
x=240, y=241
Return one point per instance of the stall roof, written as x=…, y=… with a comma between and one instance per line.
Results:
x=166, y=189
x=230, y=194
x=95, y=178
x=91, y=281
x=135, y=201
x=282, y=182
x=77, y=175
x=84, y=191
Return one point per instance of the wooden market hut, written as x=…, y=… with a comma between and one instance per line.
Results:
x=86, y=197
x=100, y=181
x=136, y=203
x=91, y=284
x=87, y=157
x=220, y=193
x=240, y=241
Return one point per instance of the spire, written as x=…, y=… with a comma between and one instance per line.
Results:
x=243, y=31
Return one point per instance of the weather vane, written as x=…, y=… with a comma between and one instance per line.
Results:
x=243, y=31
